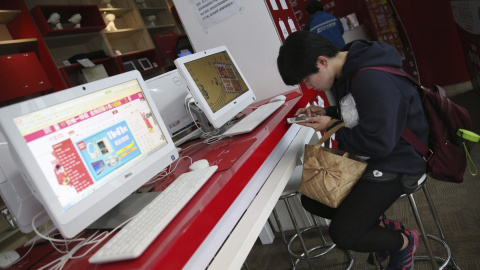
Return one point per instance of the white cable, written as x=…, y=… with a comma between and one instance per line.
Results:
x=204, y=134
x=213, y=139
x=167, y=173
x=34, y=240
x=93, y=240
x=64, y=241
x=60, y=262
x=25, y=255
x=183, y=149
x=194, y=121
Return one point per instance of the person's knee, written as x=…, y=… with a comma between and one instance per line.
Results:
x=341, y=236
x=317, y=208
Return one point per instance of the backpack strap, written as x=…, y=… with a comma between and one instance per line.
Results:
x=391, y=70
x=407, y=134
x=413, y=140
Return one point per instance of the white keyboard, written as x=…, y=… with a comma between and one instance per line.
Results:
x=251, y=121
x=132, y=240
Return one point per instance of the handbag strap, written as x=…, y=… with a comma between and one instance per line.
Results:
x=330, y=132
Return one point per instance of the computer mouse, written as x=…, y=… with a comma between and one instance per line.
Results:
x=199, y=164
x=278, y=98
x=7, y=258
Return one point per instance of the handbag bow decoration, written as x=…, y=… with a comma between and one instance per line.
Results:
x=312, y=167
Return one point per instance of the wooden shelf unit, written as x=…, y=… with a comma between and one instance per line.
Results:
x=91, y=19
x=133, y=35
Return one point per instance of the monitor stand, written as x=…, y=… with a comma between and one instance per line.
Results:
x=124, y=210
x=202, y=119
x=205, y=124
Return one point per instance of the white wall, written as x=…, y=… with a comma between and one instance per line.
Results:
x=251, y=37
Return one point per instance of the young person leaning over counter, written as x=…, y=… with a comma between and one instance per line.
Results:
x=375, y=107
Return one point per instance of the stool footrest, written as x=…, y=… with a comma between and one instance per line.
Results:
x=329, y=247
x=444, y=261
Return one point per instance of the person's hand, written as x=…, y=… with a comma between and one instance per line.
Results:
x=318, y=123
x=312, y=110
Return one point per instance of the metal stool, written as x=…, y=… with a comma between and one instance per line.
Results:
x=430, y=257
x=290, y=192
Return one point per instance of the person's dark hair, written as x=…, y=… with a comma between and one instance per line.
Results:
x=298, y=55
x=313, y=7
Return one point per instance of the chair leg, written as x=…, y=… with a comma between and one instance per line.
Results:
x=377, y=264
x=284, y=238
x=315, y=224
x=433, y=211
x=351, y=257
x=307, y=254
x=295, y=225
x=437, y=220
x=422, y=231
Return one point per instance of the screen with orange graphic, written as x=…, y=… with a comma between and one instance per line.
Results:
x=217, y=78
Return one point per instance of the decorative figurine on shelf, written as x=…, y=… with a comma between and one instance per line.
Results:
x=54, y=20
x=152, y=19
x=110, y=22
x=141, y=2
x=107, y=3
x=75, y=19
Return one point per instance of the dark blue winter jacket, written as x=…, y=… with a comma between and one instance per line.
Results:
x=386, y=103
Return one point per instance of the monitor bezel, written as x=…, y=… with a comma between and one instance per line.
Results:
x=72, y=221
x=230, y=110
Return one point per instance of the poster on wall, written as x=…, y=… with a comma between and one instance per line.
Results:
x=384, y=23
x=387, y=27
x=211, y=12
x=283, y=17
x=467, y=17
x=298, y=7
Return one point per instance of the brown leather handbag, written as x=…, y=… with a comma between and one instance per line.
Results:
x=329, y=174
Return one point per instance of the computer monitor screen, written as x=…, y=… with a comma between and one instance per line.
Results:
x=168, y=91
x=216, y=83
x=85, y=149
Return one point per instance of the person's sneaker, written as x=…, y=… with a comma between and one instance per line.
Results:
x=391, y=225
x=403, y=259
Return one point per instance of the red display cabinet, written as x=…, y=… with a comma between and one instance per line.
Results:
x=165, y=43
x=18, y=81
x=92, y=20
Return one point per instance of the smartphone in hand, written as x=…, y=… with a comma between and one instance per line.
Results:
x=300, y=119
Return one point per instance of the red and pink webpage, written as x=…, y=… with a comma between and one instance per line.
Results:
x=83, y=143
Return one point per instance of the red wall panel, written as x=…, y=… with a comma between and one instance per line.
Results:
x=434, y=38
